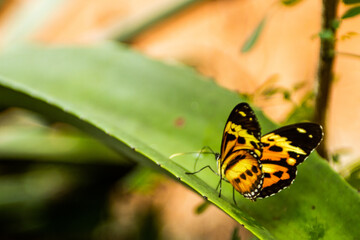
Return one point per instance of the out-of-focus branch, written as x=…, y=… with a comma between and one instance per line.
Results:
x=325, y=69
x=347, y=54
x=127, y=35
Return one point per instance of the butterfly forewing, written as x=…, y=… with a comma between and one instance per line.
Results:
x=284, y=149
x=242, y=131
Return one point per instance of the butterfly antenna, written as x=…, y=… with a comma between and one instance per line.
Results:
x=204, y=150
x=184, y=153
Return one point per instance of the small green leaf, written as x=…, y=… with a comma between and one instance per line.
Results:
x=287, y=95
x=290, y=2
x=202, y=207
x=351, y=1
x=352, y=12
x=142, y=179
x=326, y=34
x=335, y=23
x=354, y=177
x=235, y=235
x=250, y=42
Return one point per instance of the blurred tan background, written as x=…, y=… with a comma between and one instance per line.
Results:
x=209, y=35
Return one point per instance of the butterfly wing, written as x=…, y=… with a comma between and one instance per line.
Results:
x=283, y=150
x=241, y=150
x=242, y=131
x=244, y=172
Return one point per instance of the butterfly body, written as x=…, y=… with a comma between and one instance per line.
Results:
x=259, y=167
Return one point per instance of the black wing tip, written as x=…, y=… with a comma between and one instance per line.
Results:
x=243, y=105
x=315, y=127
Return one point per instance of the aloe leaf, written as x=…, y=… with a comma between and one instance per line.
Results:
x=38, y=143
x=149, y=110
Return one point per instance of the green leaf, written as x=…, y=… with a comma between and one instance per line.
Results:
x=235, y=235
x=250, y=42
x=202, y=207
x=134, y=104
x=290, y=2
x=335, y=23
x=37, y=143
x=326, y=34
x=351, y=1
x=354, y=177
x=352, y=12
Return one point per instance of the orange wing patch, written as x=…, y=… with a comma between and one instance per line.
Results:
x=274, y=173
x=279, y=147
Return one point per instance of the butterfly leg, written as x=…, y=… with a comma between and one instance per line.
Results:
x=234, y=196
x=220, y=187
x=203, y=151
x=208, y=166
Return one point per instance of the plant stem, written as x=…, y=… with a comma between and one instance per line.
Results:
x=127, y=35
x=325, y=69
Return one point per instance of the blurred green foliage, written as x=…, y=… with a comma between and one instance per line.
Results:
x=54, y=183
x=354, y=177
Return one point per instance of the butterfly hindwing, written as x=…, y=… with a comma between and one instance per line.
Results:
x=283, y=150
x=244, y=172
x=241, y=151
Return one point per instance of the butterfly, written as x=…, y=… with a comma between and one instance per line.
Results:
x=258, y=167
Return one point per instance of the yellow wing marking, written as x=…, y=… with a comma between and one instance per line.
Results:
x=282, y=142
x=239, y=132
x=242, y=113
x=291, y=161
x=301, y=130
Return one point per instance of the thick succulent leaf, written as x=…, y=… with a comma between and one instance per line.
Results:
x=39, y=143
x=148, y=110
